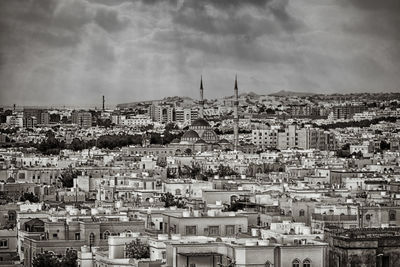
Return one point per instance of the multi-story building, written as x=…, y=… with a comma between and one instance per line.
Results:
x=82, y=118
x=161, y=113
x=15, y=121
x=34, y=116
x=304, y=111
x=245, y=252
x=186, y=115
x=58, y=235
x=211, y=224
x=265, y=138
x=347, y=112
x=136, y=121
x=369, y=247
x=305, y=138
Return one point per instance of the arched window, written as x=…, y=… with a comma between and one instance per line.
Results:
x=106, y=234
x=177, y=191
x=306, y=263
x=91, y=238
x=368, y=217
x=392, y=215
x=301, y=213
x=296, y=263
x=268, y=264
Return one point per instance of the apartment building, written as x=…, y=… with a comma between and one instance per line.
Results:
x=265, y=138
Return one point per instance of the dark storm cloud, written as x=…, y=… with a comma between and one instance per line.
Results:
x=72, y=51
x=265, y=17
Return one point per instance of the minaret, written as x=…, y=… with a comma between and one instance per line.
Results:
x=236, y=117
x=201, y=102
x=104, y=102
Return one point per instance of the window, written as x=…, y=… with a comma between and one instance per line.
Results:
x=91, y=239
x=368, y=217
x=55, y=236
x=213, y=230
x=191, y=230
x=106, y=234
x=192, y=265
x=229, y=230
x=296, y=263
x=306, y=263
x=77, y=236
x=301, y=213
x=392, y=215
x=268, y=264
x=3, y=243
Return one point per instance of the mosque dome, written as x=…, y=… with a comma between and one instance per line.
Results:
x=200, y=122
x=190, y=134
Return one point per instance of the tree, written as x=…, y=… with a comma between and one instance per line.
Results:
x=384, y=145
x=45, y=259
x=137, y=250
x=170, y=200
x=77, y=144
x=30, y=197
x=192, y=171
x=70, y=258
x=67, y=177
x=225, y=171
x=161, y=162
x=48, y=259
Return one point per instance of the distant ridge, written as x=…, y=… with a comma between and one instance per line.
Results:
x=290, y=93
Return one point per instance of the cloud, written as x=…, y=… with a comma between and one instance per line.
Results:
x=74, y=51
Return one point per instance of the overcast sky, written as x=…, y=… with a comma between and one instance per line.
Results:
x=74, y=51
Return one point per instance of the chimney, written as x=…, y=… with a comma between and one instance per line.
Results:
x=104, y=102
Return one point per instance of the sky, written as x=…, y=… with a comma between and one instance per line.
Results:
x=56, y=52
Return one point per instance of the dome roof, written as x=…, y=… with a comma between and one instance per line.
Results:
x=201, y=141
x=175, y=141
x=10, y=180
x=201, y=122
x=190, y=134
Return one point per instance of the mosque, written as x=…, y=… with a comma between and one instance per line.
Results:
x=201, y=137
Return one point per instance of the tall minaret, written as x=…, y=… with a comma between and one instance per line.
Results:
x=201, y=102
x=236, y=117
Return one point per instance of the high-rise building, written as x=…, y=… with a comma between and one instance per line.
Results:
x=305, y=138
x=265, y=138
x=347, y=112
x=82, y=118
x=34, y=116
x=186, y=115
x=161, y=113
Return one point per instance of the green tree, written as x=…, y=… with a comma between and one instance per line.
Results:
x=137, y=250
